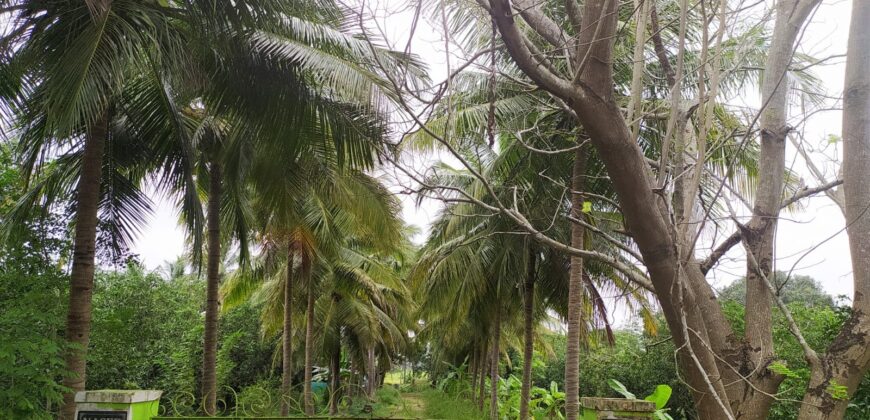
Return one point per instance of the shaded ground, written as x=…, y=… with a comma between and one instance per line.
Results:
x=430, y=404
x=407, y=405
x=413, y=405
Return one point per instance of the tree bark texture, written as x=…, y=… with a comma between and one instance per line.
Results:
x=307, y=395
x=287, y=336
x=78, y=321
x=371, y=372
x=485, y=360
x=475, y=367
x=848, y=358
x=575, y=289
x=760, y=233
x=493, y=373
x=335, y=379
x=528, y=334
x=209, y=354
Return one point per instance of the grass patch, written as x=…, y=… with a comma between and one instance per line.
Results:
x=440, y=405
x=423, y=403
x=388, y=395
x=393, y=377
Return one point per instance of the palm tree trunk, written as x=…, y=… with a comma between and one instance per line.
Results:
x=78, y=321
x=335, y=378
x=371, y=373
x=286, y=338
x=355, y=380
x=475, y=366
x=209, y=372
x=309, y=347
x=484, y=362
x=493, y=386
x=575, y=290
x=529, y=335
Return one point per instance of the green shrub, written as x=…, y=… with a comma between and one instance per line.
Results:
x=388, y=395
x=33, y=297
x=440, y=405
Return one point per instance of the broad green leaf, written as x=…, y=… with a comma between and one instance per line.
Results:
x=620, y=388
x=660, y=396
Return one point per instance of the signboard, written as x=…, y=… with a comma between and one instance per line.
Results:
x=102, y=415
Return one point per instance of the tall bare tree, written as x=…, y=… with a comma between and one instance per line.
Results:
x=836, y=374
x=567, y=50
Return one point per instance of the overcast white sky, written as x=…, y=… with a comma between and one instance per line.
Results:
x=829, y=262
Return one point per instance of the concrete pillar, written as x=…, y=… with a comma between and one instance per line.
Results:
x=117, y=404
x=616, y=409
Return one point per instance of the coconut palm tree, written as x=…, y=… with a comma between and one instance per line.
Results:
x=306, y=220
x=514, y=173
x=305, y=82
x=367, y=308
x=256, y=66
x=78, y=105
x=64, y=66
x=296, y=81
x=182, y=78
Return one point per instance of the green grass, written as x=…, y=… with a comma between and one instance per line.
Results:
x=390, y=403
x=388, y=395
x=398, y=377
x=393, y=378
x=426, y=403
x=440, y=405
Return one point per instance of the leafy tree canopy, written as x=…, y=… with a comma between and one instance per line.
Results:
x=792, y=289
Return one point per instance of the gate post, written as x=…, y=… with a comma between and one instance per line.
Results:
x=111, y=404
x=616, y=409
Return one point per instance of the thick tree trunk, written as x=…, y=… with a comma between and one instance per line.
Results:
x=287, y=337
x=575, y=290
x=307, y=396
x=848, y=357
x=78, y=321
x=760, y=235
x=686, y=299
x=209, y=355
x=528, y=334
x=593, y=102
x=493, y=373
x=335, y=379
x=770, y=184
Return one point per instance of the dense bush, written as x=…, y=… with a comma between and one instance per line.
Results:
x=640, y=362
x=146, y=331
x=33, y=296
x=147, y=334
